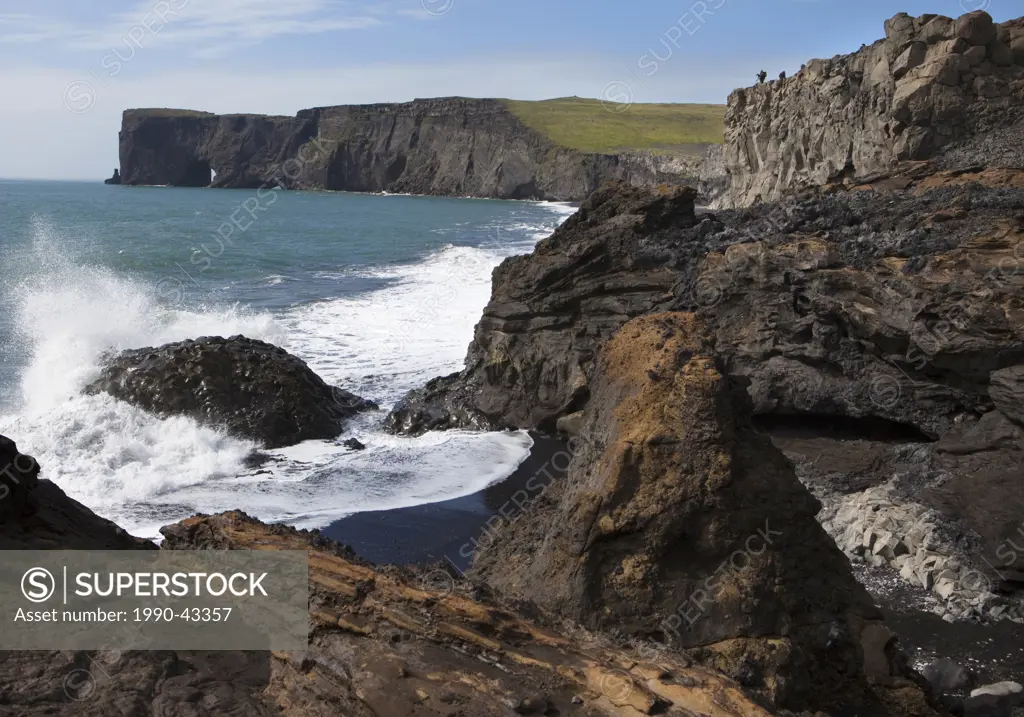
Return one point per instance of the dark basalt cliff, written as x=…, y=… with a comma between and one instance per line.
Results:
x=448, y=146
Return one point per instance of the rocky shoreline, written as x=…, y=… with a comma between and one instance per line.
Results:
x=750, y=399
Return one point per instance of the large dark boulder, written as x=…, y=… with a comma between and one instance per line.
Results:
x=252, y=389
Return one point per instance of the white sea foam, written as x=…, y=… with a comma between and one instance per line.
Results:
x=142, y=471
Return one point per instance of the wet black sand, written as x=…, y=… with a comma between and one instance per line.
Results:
x=445, y=532
x=994, y=651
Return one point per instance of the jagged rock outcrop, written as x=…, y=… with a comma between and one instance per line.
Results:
x=36, y=515
x=603, y=266
x=250, y=388
x=678, y=521
x=894, y=311
x=447, y=146
x=932, y=83
x=115, y=179
x=829, y=303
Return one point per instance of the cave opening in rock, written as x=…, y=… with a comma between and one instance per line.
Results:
x=198, y=173
x=828, y=425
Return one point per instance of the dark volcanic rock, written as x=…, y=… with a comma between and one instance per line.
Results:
x=19, y=476
x=845, y=304
x=678, y=521
x=550, y=311
x=447, y=146
x=1007, y=392
x=911, y=335
x=116, y=179
x=891, y=313
x=945, y=675
x=36, y=515
x=251, y=388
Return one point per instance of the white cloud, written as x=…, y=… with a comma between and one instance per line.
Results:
x=207, y=28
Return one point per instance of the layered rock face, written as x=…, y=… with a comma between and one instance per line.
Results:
x=889, y=317
x=251, y=388
x=447, y=146
x=384, y=642
x=677, y=520
x=829, y=303
x=932, y=83
x=605, y=265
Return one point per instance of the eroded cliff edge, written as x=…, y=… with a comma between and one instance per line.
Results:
x=447, y=146
x=934, y=86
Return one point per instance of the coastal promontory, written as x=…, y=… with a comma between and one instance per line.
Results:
x=555, y=150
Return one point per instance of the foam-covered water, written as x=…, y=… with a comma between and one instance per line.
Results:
x=374, y=303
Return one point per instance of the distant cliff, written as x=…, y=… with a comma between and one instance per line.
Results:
x=932, y=83
x=448, y=147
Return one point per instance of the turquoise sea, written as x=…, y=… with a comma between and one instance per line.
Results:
x=377, y=293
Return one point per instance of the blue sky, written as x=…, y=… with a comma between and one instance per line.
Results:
x=68, y=68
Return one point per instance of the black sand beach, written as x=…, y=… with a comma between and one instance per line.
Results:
x=448, y=531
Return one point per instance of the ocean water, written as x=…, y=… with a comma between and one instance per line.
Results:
x=377, y=294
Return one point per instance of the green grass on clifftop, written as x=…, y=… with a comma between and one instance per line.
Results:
x=170, y=112
x=594, y=126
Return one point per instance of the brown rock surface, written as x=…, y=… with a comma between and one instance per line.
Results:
x=678, y=521
x=384, y=642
